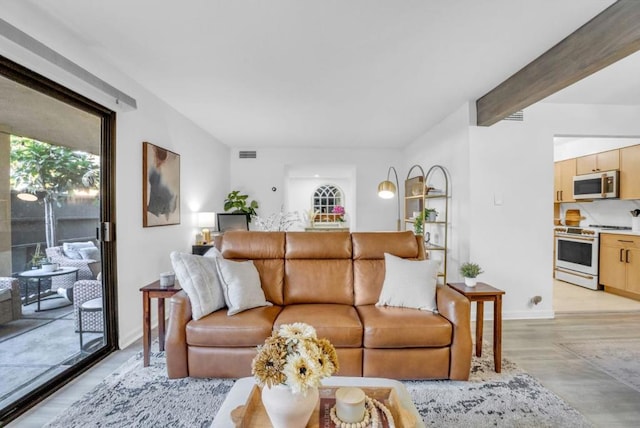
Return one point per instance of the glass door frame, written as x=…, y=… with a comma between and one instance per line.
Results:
x=33, y=80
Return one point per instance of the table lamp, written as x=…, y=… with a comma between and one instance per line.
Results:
x=206, y=221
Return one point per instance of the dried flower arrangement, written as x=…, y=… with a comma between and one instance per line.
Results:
x=294, y=356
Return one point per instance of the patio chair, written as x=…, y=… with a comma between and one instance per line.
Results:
x=83, y=291
x=56, y=255
x=10, y=303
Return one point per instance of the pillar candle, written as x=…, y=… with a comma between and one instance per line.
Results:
x=350, y=404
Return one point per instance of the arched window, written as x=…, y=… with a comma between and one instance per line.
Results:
x=325, y=199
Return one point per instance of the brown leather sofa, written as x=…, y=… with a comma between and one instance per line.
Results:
x=332, y=282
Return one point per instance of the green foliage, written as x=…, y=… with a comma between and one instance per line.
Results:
x=38, y=166
x=237, y=203
x=429, y=211
x=470, y=270
x=418, y=224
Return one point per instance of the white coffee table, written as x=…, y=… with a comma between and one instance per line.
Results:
x=242, y=388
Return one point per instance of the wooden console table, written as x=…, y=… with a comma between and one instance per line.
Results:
x=485, y=293
x=149, y=292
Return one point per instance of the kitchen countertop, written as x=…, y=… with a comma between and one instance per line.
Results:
x=619, y=232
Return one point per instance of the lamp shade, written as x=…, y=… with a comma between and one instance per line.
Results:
x=207, y=220
x=386, y=189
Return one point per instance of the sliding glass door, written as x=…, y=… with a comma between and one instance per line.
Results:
x=57, y=282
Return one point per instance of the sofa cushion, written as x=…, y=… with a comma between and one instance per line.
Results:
x=373, y=245
x=318, y=281
x=241, y=285
x=248, y=328
x=389, y=327
x=409, y=283
x=199, y=279
x=338, y=323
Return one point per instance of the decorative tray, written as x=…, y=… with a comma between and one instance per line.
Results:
x=253, y=414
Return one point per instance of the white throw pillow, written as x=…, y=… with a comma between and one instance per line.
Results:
x=241, y=285
x=213, y=252
x=409, y=283
x=198, y=277
x=89, y=253
x=70, y=249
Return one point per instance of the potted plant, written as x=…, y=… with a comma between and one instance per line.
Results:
x=470, y=271
x=430, y=214
x=418, y=224
x=237, y=203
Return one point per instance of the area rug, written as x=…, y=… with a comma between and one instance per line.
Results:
x=134, y=396
x=620, y=358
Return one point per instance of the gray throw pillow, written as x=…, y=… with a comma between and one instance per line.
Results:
x=409, y=283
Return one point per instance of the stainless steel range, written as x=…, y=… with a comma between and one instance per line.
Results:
x=577, y=255
x=577, y=250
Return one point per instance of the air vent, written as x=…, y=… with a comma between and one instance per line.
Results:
x=248, y=154
x=517, y=116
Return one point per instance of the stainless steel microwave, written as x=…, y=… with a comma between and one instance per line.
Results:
x=600, y=185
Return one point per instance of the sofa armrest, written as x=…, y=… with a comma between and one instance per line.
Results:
x=176, y=341
x=457, y=309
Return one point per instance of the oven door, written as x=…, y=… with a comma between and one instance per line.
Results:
x=578, y=253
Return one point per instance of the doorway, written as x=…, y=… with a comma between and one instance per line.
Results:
x=57, y=271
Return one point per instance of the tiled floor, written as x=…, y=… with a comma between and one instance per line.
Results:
x=573, y=299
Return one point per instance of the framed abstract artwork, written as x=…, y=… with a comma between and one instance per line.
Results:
x=160, y=186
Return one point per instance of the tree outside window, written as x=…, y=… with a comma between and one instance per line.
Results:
x=50, y=173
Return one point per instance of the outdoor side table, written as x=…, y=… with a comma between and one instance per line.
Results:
x=39, y=275
x=485, y=293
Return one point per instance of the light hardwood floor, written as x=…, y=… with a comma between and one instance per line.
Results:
x=533, y=344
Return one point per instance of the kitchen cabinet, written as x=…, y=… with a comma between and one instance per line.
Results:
x=603, y=161
x=630, y=172
x=620, y=264
x=563, y=180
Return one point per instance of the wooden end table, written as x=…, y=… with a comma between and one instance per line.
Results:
x=485, y=293
x=149, y=292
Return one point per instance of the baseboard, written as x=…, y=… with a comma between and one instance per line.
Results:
x=523, y=315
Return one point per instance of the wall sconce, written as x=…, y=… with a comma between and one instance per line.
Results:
x=206, y=221
x=387, y=190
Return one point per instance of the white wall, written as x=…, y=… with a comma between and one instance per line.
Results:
x=501, y=195
x=256, y=177
x=447, y=144
x=142, y=253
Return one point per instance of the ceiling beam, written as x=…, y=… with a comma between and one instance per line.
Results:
x=607, y=38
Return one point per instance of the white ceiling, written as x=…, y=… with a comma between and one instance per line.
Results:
x=324, y=73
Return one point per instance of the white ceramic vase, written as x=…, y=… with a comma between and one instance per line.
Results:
x=470, y=282
x=286, y=409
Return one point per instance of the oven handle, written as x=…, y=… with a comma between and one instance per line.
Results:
x=574, y=273
x=576, y=238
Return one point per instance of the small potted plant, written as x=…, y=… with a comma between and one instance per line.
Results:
x=418, y=224
x=470, y=271
x=430, y=214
